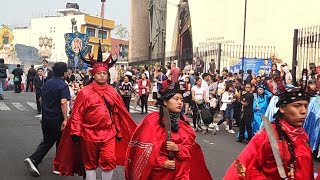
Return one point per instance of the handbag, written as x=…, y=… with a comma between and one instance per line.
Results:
x=16, y=79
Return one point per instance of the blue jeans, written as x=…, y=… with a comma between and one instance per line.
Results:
x=228, y=113
x=2, y=83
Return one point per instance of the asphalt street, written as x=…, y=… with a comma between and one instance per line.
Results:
x=20, y=133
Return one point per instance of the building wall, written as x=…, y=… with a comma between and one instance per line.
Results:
x=269, y=23
x=117, y=45
x=21, y=36
x=96, y=23
x=139, y=30
x=56, y=27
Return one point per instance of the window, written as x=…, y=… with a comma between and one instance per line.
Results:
x=104, y=34
x=90, y=47
x=91, y=32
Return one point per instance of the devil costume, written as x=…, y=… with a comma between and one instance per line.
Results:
x=147, y=151
x=99, y=119
x=257, y=162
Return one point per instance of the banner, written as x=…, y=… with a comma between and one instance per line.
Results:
x=76, y=43
x=259, y=67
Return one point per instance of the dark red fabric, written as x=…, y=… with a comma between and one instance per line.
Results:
x=257, y=162
x=68, y=157
x=146, y=153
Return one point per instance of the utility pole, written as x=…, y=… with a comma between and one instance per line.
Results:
x=244, y=38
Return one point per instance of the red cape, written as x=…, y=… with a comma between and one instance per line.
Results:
x=68, y=158
x=144, y=149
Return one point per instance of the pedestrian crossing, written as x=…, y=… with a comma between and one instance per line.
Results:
x=18, y=106
x=138, y=109
x=31, y=106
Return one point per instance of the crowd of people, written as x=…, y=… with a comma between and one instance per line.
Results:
x=85, y=109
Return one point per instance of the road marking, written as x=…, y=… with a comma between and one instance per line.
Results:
x=138, y=109
x=19, y=106
x=4, y=107
x=38, y=116
x=33, y=105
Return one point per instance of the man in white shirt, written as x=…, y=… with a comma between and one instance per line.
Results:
x=205, y=84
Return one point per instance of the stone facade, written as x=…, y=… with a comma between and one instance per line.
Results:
x=139, y=31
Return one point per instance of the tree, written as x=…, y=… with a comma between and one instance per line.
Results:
x=121, y=32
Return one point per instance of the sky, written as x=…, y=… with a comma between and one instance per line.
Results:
x=21, y=15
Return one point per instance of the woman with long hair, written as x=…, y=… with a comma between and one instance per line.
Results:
x=151, y=156
x=144, y=87
x=198, y=98
x=125, y=91
x=187, y=95
x=274, y=71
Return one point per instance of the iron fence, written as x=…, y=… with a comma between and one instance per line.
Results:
x=306, y=49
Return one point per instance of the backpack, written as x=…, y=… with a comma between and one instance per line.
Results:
x=206, y=115
x=3, y=71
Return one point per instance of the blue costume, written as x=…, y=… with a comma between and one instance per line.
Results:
x=312, y=124
x=271, y=110
x=260, y=105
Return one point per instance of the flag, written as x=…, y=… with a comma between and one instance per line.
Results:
x=102, y=10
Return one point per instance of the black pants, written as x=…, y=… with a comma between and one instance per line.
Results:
x=51, y=135
x=237, y=112
x=195, y=114
x=29, y=84
x=17, y=87
x=144, y=102
x=126, y=101
x=245, y=124
x=38, y=102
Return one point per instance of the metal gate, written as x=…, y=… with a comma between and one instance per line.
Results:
x=306, y=50
x=224, y=53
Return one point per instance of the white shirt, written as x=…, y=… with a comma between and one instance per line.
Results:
x=198, y=92
x=205, y=86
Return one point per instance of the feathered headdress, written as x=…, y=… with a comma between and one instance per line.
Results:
x=99, y=65
x=169, y=89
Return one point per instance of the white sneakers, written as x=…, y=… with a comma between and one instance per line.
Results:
x=56, y=172
x=231, y=131
x=227, y=127
x=31, y=167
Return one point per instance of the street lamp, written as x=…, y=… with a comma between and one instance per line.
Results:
x=73, y=23
x=45, y=44
x=244, y=38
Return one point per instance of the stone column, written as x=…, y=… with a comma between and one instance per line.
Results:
x=139, y=31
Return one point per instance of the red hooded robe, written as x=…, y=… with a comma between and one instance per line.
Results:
x=146, y=153
x=68, y=157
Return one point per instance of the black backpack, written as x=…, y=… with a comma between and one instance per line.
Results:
x=3, y=71
x=206, y=115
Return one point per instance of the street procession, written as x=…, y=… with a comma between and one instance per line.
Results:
x=160, y=90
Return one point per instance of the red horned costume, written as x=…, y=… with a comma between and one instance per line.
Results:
x=147, y=152
x=99, y=117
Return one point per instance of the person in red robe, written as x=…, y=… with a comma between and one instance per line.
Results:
x=147, y=154
x=257, y=161
x=99, y=118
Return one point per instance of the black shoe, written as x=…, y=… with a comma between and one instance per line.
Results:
x=141, y=113
x=239, y=140
x=39, y=112
x=33, y=170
